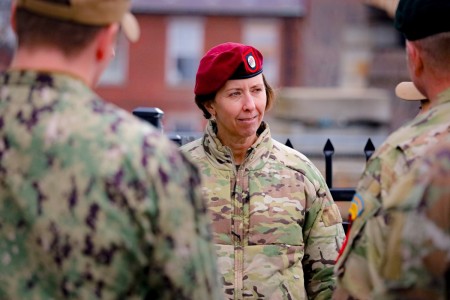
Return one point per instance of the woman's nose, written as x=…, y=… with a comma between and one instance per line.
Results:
x=249, y=102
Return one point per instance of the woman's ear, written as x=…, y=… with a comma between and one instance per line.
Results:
x=210, y=108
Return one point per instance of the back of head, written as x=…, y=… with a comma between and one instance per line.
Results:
x=70, y=24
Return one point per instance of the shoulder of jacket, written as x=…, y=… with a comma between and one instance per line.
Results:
x=287, y=154
x=194, y=149
x=293, y=159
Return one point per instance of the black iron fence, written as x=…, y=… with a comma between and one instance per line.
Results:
x=341, y=194
x=154, y=116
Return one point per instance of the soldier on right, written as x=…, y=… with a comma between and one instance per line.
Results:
x=361, y=262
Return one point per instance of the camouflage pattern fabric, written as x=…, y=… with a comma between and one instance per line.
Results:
x=411, y=254
x=276, y=228
x=391, y=161
x=95, y=204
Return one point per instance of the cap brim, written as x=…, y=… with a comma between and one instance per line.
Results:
x=130, y=27
x=407, y=91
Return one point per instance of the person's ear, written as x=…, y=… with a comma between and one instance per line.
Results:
x=414, y=59
x=106, y=42
x=210, y=108
x=13, y=17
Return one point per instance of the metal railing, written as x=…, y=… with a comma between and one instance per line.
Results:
x=342, y=194
x=154, y=116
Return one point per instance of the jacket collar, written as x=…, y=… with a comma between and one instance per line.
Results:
x=221, y=156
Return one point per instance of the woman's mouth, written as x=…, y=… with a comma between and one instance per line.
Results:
x=250, y=119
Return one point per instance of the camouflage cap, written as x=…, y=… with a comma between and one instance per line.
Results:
x=418, y=19
x=407, y=90
x=88, y=12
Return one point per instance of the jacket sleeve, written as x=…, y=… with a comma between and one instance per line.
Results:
x=353, y=265
x=416, y=264
x=324, y=235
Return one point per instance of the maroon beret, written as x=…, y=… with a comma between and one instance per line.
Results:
x=226, y=61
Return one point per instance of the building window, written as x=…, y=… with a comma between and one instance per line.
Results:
x=117, y=70
x=263, y=34
x=185, y=46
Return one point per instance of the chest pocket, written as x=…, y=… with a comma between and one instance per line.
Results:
x=276, y=208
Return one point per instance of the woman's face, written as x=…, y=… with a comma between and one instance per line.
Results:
x=239, y=108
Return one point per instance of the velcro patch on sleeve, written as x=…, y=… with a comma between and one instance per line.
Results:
x=331, y=215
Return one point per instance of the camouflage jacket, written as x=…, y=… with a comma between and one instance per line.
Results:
x=413, y=250
x=391, y=161
x=94, y=204
x=275, y=225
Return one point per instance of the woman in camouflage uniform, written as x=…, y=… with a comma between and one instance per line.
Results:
x=276, y=228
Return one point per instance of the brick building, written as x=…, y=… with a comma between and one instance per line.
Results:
x=160, y=69
x=345, y=47
x=306, y=43
x=320, y=43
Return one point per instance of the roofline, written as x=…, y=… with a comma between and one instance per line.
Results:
x=290, y=8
